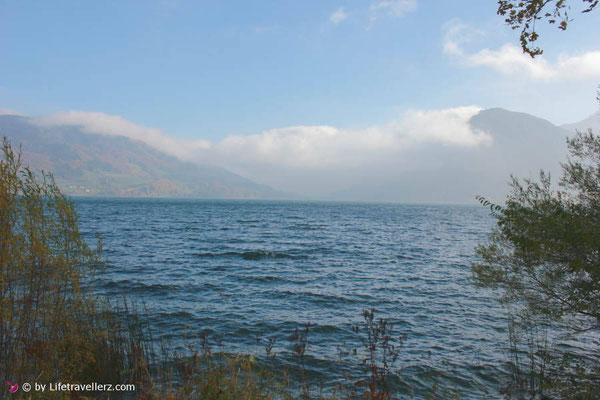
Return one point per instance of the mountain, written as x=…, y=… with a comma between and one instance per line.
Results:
x=593, y=123
x=522, y=145
x=100, y=165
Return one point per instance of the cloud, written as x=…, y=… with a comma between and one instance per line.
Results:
x=584, y=65
x=320, y=160
x=449, y=126
x=338, y=16
x=328, y=147
x=300, y=147
x=392, y=8
x=456, y=34
x=106, y=124
x=510, y=59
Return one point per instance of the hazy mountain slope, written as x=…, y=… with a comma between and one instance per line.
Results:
x=100, y=165
x=522, y=145
x=92, y=164
x=592, y=122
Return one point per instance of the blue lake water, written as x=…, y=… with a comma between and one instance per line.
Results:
x=239, y=270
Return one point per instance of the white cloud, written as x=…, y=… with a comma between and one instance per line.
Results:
x=338, y=16
x=106, y=124
x=510, y=59
x=450, y=126
x=584, y=65
x=392, y=8
x=319, y=160
x=456, y=34
x=301, y=147
x=329, y=147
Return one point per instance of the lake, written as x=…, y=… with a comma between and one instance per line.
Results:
x=247, y=271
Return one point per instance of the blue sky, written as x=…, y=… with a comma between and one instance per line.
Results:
x=305, y=96
x=214, y=68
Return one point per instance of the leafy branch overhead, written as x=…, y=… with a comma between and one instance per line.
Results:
x=523, y=15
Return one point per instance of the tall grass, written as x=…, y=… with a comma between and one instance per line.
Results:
x=203, y=373
x=50, y=329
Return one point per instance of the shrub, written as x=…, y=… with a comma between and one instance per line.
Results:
x=50, y=328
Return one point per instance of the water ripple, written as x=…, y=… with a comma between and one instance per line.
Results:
x=246, y=269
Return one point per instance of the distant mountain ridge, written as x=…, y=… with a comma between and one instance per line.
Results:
x=89, y=164
x=593, y=123
x=522, y=145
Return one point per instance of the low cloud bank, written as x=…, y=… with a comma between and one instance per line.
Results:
x=106, y=124
x=446, y=155
x=314, y=160
x=328, y=147
x=302, y=147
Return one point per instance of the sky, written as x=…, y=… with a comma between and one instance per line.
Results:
x=298, y=84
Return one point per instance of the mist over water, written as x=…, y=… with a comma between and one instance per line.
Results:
x=239, y=270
